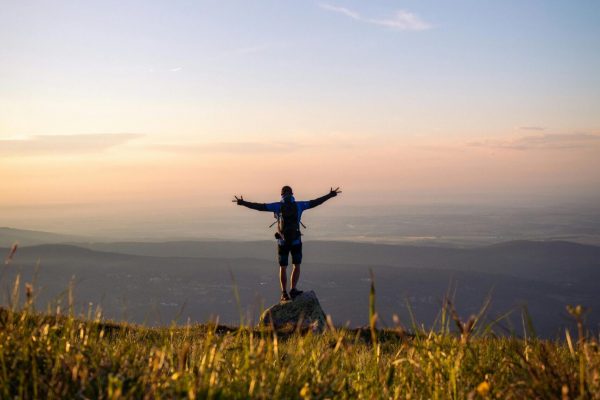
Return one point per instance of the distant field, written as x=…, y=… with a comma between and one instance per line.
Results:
x=157, y=283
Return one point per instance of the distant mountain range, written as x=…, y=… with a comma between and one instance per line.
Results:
x=156, y=283
x=25, y=237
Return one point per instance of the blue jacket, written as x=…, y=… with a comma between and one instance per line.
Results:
x=276, y=208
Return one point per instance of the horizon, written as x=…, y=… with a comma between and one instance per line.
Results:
x=448, y=225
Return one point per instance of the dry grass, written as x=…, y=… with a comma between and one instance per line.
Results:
x=60, y=356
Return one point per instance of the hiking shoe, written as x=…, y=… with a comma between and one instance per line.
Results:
x=295, y=293
x=284, y=297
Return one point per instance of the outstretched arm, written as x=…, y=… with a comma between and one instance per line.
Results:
x=255, y=206
x=317, y=202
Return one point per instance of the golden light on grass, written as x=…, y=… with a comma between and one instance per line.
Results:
x=66, y=356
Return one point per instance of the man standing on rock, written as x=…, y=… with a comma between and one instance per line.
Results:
x=288, y=212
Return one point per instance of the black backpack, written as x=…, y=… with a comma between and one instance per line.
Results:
x=288, y=225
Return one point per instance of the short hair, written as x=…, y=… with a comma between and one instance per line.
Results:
x=286, y=189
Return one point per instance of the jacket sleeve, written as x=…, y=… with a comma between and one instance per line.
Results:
x=259, y=206
x=321, y=200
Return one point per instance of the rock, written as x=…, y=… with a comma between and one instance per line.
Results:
x=303, y=311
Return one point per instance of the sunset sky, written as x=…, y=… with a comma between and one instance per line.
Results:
x=146, y=106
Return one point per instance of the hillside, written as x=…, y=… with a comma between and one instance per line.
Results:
x=27, y=237
x=539, y=260
x=157, y=290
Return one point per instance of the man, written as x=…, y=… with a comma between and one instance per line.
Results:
x=288, y=212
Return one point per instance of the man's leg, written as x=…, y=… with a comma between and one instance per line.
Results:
x=296, y=260
x=283, y=277
x=295, y=276
x=282, y=258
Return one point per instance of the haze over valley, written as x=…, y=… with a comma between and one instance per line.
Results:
x=157, y=283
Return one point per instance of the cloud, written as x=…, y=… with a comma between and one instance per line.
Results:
x=404, y=21
x=401, y=20
x=176, y=69
x=237, y=148
x=341, y=10
x=532, y=128
x=558, y=141
x=64, y=144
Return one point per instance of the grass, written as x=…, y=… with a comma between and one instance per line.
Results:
x=60, y=356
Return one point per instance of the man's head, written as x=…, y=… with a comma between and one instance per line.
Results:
x=286, y=191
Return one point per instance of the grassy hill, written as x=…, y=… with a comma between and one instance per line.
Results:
x=54, y=356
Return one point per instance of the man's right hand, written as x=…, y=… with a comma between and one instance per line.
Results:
x=334, y=192
x=238, y=200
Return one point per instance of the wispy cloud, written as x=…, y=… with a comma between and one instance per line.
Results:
x=404, y=21
x=176, y=69
x=558, y=141
x=532, y=128
x=340, y=10
x=401, y=20
x=238, y=148
x=64, y=144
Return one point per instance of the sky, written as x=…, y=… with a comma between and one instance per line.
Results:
x=149, y=107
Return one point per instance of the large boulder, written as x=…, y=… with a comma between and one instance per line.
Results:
x=303, y=312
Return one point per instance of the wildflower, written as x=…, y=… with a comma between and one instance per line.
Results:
x=576, y=311
x=305, y=391
x=483, y=388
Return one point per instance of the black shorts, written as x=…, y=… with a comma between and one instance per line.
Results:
x=283, y=252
